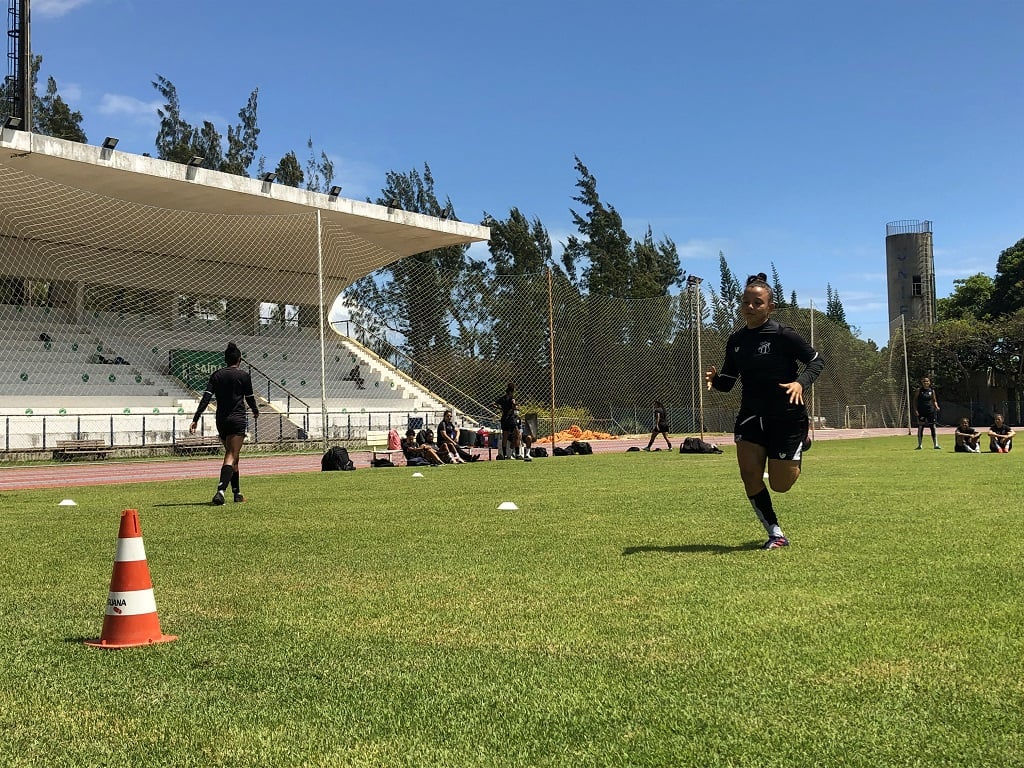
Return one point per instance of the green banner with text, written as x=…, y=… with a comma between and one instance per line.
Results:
x=194, y=366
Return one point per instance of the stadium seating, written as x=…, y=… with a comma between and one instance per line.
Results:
x=49, y=367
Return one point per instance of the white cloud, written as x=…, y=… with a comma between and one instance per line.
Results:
x=130, y=107
x=57, y=8
x=702, y=250
x=359, y=179
x=70, y=92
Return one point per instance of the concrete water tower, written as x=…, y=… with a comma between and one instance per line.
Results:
x=910, y=270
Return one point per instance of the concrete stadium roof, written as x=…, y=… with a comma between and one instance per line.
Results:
x=385, y=235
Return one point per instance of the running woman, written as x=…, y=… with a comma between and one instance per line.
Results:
x=926, y=407
x=771, y=427
x=232, y=387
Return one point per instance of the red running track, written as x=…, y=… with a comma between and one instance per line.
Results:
x=28, y=476
x=112, y=473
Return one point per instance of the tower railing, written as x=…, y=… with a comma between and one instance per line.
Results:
x=908, y=227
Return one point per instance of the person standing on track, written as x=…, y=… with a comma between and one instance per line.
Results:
x=659, y=425
x=771, y=426
x=232, y=388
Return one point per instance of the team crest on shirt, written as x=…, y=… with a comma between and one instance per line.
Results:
x=735, y=349
x=782, y=454
x=764, y=348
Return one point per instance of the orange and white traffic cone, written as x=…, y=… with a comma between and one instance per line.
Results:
x=130, y=618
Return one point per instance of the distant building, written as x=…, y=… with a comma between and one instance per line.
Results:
x=910, y=270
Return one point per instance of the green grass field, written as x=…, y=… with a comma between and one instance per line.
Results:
x=622, y=616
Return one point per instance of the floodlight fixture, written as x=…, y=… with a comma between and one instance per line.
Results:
x=335, y=191
x=393, y=205
x=110, y=142
x=196, y=161
x=13, y=122
x=269, y=177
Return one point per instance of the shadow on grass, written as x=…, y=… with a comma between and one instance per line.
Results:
x=188, y=504
x=691, y=549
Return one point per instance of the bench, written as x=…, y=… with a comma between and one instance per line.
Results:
x=67, y=450
x=193, y=445
x=377, y=444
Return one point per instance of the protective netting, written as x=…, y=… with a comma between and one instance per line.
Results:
x=611, y=357
x=113, y=315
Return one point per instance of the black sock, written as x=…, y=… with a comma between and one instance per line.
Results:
x=234, y=483
x=762, y=504
x=226, y=471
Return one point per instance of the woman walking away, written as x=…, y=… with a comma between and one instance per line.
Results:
x=232, y=388
x=660, y=426
x=771, y=426
x=926, y=407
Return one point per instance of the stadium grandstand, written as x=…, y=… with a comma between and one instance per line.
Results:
x=123, y=278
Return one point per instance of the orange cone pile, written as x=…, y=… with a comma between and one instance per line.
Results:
x=130, y=618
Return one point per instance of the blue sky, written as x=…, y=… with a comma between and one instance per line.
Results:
x=782, y=131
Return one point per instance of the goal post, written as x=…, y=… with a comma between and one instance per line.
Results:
x=855, y=417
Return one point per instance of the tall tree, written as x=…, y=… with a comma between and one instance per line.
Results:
x=51, y=115
x=1008, y=359
x=603, y=248
x=174, y=136
x=655, y=267
x=956, y=348
x=1008, y=286
x=243, y=139
x=319, y=170
x=55, y=118
x=521, y=252
x=414, y=296
x=971, y=297
x=834, y=307
x=777, y=293
x=289, y=172
x=206, y=143
x=178, y=141
x=725, y=305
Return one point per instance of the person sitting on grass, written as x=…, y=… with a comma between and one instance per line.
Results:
x=414, y=450
x=967, y=437
x=1000, y=435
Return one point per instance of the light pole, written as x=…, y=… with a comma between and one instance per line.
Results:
x=693, y=285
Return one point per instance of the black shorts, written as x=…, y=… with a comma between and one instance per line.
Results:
x=926, y=420
x=233, y=425
x=782, y=437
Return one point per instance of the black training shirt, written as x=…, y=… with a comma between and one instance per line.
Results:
x=233, y=389
x=764, y=358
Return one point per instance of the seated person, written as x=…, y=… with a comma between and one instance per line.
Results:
x=525, y=438
x=414, y=450
x=448, y=439
x=1000, y=435
x=354, y=375
x=967, y=437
